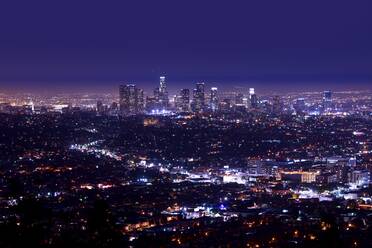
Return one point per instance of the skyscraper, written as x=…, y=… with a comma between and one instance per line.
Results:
x=198, y=98
x=163, y=86
x=254, y=101
x=327, y=100
x=130, y=99
x=163, y=99
x=251, y=91
x=184, y=104
x=253, y=98
x=214, y=99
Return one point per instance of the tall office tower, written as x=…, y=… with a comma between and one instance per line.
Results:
x=253, y=98
x=184, y=100
x=163, y=86
x=277, y=105
x=193, y=102
x=214, y=99
x=163, y=94
x=254, y=101
x=122, y=99
x=199, y=98
x=327, y=100
x=130, y=99
x=251, y=91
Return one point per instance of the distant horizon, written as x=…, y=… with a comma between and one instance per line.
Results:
x=174, y=86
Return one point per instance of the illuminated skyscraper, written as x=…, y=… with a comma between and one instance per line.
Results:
x=254, y=101
x=125, y=92
x=162, y=97
x=130, y=99
x=253, y=98
x=251, y=91
x=214, y=99
x=198, y=98
x=163, y=86
x=184, y=100
x=327, y=100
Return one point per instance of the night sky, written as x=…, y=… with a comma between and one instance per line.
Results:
x=279, y=44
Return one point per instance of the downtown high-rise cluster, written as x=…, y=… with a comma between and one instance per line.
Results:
x=132, y=100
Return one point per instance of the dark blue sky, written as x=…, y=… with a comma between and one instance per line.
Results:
x=299, y=43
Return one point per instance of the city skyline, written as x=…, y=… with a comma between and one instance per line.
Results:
x=173, y=87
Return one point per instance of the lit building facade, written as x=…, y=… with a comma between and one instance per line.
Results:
x=199, y=98
x=214, y=99
x=184, y=100
x=130, y=99
x=327, y=100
